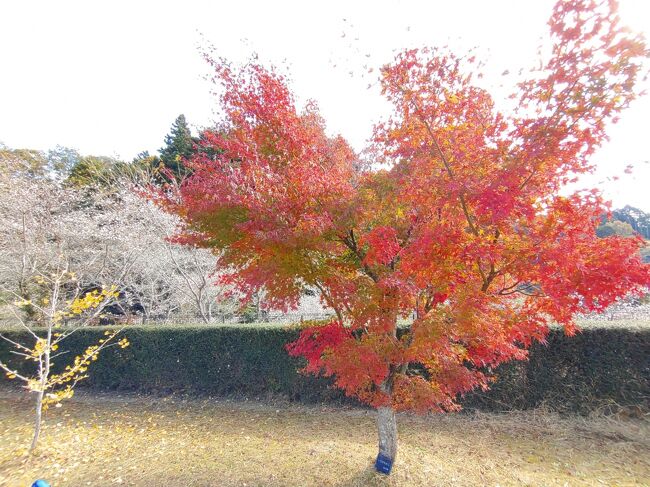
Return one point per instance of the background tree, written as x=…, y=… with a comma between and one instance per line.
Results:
x=179, y=145
x=23, y=162
x=145, y=162
x=627, y=222
x=61, y=160
x=615, y=227
x=637, y=219
x=63, y=307
x=110, y=234
x=465, y=230
x=95, y=170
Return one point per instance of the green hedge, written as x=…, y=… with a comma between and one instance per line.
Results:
x=595, y=368
x=221, y=361
x=599, y=368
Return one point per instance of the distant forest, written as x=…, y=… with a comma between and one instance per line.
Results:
x=637, y=219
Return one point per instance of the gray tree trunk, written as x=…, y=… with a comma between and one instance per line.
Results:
x=387, y=429
x=37, y=422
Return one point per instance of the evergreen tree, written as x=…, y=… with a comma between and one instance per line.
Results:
x=179, y=145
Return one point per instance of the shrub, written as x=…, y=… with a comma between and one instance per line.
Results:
x=597, y=367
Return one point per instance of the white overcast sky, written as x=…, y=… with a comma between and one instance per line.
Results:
x=109, y=78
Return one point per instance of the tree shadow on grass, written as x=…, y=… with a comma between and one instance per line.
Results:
x=368, y=477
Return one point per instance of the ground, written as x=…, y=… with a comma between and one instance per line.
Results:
x=108, y=439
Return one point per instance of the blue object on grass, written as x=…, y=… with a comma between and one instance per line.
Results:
x=383, y=464
x=40, y=483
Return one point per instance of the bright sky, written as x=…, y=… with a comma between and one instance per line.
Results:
x=109, y=78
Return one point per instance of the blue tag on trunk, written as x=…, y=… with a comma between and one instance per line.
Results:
x=383, y=464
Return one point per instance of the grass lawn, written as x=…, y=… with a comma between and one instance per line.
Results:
x=103, y=440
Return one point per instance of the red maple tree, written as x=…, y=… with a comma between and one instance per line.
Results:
x=465, y=231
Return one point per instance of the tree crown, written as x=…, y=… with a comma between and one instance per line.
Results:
x=465, y=230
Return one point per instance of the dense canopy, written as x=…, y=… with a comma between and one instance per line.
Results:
x=463, y=230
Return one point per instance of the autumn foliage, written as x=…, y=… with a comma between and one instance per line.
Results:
x=465, y=231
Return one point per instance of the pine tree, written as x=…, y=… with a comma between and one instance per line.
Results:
x=178, y=146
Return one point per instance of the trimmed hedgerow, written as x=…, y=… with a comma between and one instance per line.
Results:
x=597, y=367
x=221, y=361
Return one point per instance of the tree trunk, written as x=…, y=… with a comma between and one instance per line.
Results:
x=203, y=314
x=37, y=422
x=387, y=429
x=386, y=421
x=44, y=372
